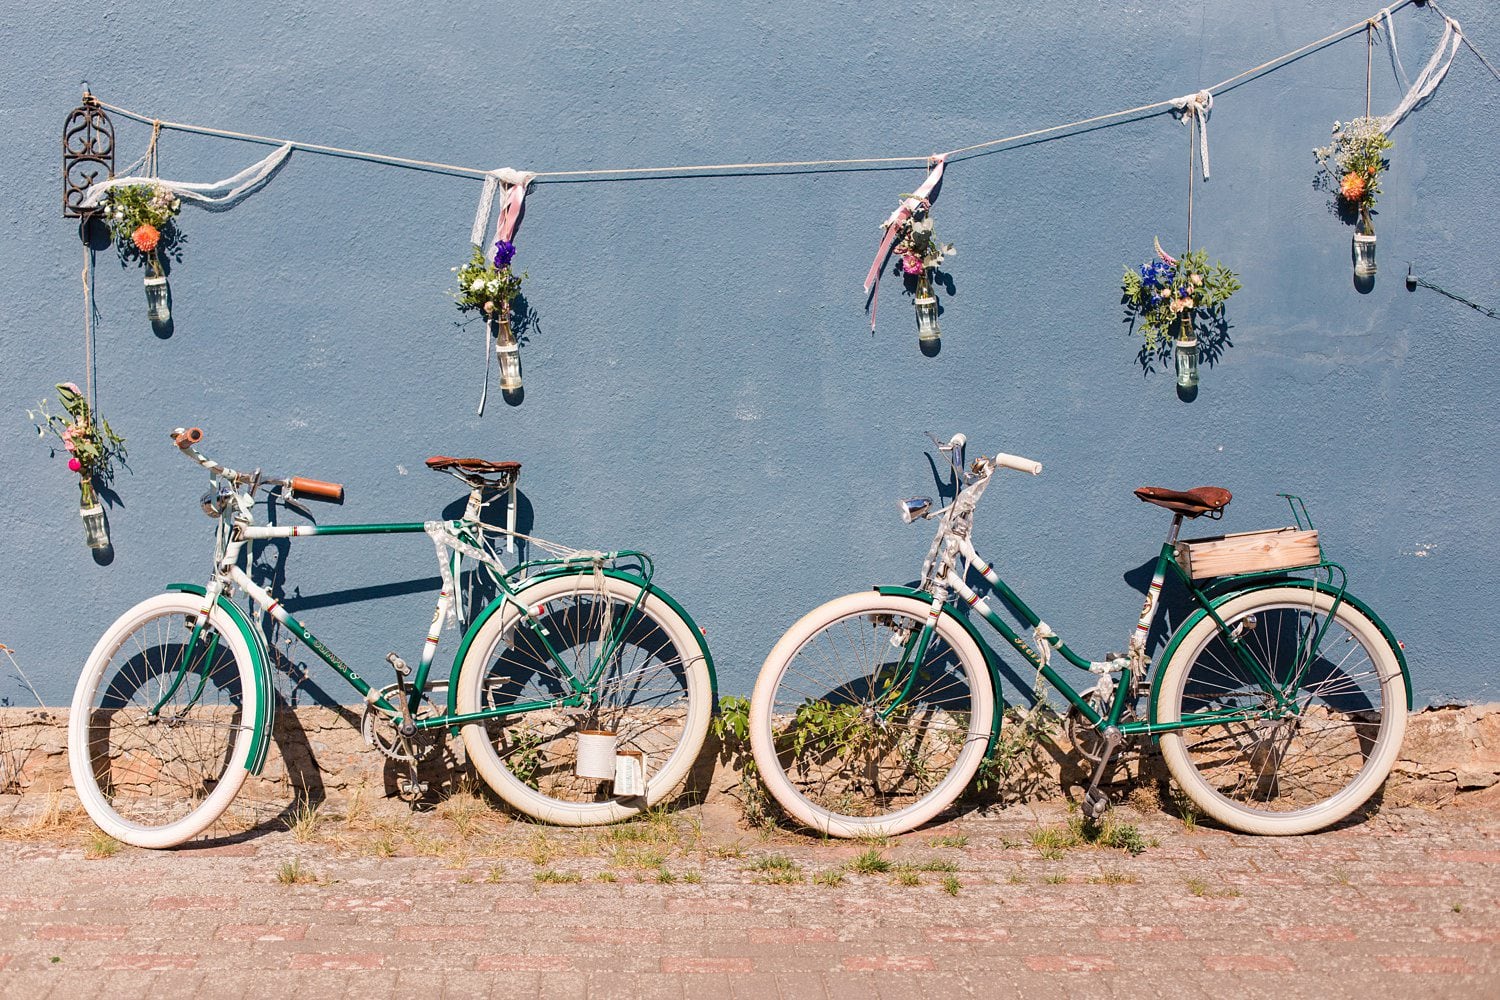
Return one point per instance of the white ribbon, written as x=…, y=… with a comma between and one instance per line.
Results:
x=1197, y=106
x=219, y=196
x=1432, y=74
x=1042, y=633
x=516, y=182
x=1390, y=32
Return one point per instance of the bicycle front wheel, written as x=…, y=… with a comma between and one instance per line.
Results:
x=645, y=680
x=159, y=733
x=1300, y=739
x=853, y=734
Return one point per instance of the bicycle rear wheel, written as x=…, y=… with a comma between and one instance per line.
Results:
x=654, y=694
x=855, y=737
x=1302, y=766
x=158, y=749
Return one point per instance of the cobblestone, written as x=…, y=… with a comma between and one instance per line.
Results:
x=1405, y=902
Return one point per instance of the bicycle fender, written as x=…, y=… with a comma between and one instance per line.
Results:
x=265, y=713
x=494, y=607
x=984, y=647
x=1290, y=581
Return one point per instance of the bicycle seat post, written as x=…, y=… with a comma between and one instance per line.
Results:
x=1176, y=526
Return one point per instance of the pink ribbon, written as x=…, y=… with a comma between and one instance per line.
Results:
x=510, y=213
x=515, y=183
x=893, y=227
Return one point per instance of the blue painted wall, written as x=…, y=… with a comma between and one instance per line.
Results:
x=703, y=384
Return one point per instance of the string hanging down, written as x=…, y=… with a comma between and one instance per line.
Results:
x=1194, y=109
x=868, y=161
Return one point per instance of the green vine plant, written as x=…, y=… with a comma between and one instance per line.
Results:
x=1017, y=765
x=731, y=727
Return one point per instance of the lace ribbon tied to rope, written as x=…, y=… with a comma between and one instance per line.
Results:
x=1432, y=74
x=516, y=182
x=219, y=196
x=1195, y=108
x=892, y=227
x=512, y=202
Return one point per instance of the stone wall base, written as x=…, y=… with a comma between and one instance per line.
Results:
x=320, y=756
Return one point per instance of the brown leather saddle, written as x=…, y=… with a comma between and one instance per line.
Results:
x=477, y=471
x=1210, y=500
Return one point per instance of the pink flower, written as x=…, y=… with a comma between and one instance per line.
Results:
x=74, y=464
x=912, y=264
x=67, y=439
x=73, y=386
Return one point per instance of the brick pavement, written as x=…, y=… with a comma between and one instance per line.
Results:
x=1406, y=903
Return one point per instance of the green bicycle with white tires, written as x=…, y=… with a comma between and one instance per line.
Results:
x=1279, y=702
x=582, y=691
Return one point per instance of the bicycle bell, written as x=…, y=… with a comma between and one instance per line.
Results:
x=217, y=499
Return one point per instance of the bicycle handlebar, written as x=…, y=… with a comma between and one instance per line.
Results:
x=1017, y=462
x=316, y=489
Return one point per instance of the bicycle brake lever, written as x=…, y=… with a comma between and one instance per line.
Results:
x=288, y=502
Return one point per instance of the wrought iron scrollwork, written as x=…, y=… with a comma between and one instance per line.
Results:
x=88, y=153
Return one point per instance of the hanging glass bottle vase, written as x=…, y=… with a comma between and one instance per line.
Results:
x=158, y=295
x=927, y=312
x=1364, y=244
x=507, y=351
x=95, y=530
x=1185, y=352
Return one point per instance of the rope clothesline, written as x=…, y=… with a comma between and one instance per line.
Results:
x=868, y=161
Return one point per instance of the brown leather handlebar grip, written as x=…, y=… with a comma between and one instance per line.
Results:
x=316, y=488
x=187, y=438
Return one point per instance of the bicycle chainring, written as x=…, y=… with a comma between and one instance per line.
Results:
x=1081, y=733
x=380, y=732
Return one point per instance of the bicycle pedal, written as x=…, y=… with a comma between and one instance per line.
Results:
x=1095, y=804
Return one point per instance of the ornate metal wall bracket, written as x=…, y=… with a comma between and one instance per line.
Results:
x=88, y=153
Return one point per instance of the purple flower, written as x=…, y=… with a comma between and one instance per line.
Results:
x=505, y=252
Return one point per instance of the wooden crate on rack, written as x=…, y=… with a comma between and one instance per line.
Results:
x=1248, y=552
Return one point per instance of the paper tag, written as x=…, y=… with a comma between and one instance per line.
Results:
x=630, y=773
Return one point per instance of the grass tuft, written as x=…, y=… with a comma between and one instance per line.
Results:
x=304, y=820
x=101, y=845
x=871, y=862
x=292, y=873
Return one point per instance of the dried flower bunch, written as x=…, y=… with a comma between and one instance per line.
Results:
x=142, y=218
x=488, y=285
x=91, y=445
x=1352, y=163
x=1162, y=290
x=917, y=249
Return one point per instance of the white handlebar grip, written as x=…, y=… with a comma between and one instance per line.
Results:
x=1018, y=463
x=956, y=441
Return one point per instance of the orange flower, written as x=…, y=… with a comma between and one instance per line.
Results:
x=1352, y=186
x=146, y=237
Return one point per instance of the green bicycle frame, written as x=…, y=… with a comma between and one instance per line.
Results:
x=511, y=584
x=1206, y=599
